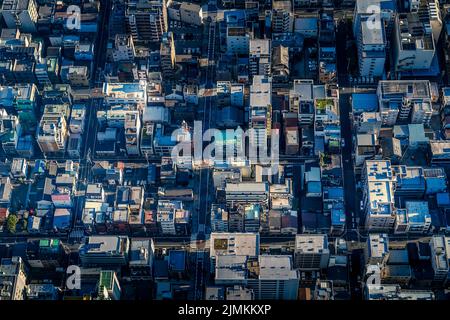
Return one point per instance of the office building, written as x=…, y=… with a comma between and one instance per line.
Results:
x=105, y=251
x=311, y=252
x=271, y=277
x=376, y=251
x=260, y=57
x=378, y=195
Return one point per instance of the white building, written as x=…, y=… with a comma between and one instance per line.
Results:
x=270, y=276
x=398, y=97
x=260, y=121
x=413, y=44
x=125, y=93
x=378, y=195
x=371, y=50
x=105, y=250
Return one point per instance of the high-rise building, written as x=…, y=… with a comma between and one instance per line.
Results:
x=371, y=44
x=167, y=52
x=282, y=16
x=20, y=14
x=260, y=57
x=12, y=279
x=147, y=20
x=260, y=116
x=378, y=195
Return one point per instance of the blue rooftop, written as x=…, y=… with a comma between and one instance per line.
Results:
x=364, y=102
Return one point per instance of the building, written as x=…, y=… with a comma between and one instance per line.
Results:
x=234, y=243
x=172, y=218
x=282, y=16
x=440, y=249
x=247, y=192
x=398, y=97
x=415, y=218
x=78, y=76
x=185, y=12
x=311, y=252
x=280, y=64
x=376, y=251
x=105, y=251
x=219, y=218
x=271, y=277
x=378, y=195
x=413, y=45
x=19, y=14
x=260, y=114
x=238, y=40
x=132, y=128
x=260, y=57
x=147, y=20
x=440, y=151
x=125, y=93
x=371, y=44
x=12, y=279
x=395, y=292
x=124, y=49
x=409, y=181
x=42, y=291
x=52, y=133
x=108, y=286
x=167, y=53
x=141, y=258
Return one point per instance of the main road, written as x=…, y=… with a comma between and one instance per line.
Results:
x=204, y=178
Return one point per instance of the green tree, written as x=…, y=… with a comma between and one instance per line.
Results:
x=11, y=223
